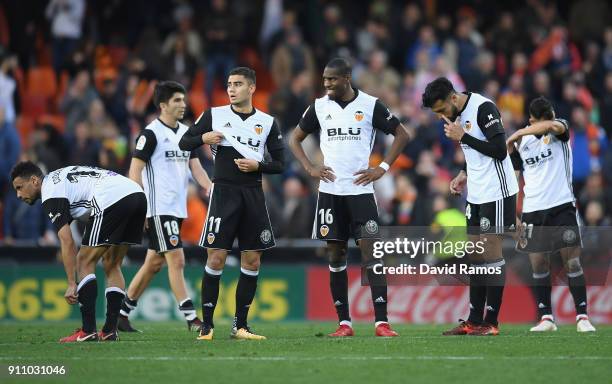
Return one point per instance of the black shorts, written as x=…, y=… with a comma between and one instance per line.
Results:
x=494, y=217
x=120, y=223
x=241, y=212
x=164, y=233
x=550, y=229
x=339, y=217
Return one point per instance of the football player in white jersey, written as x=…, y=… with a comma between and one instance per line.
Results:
x=346, y=120
x=162, y=168
x=474, y=122
x=114, y=209
x=239, y=136
x=550, y=220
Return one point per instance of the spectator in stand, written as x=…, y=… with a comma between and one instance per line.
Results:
x=291, y=58
x=66, y=29
x=78, y=98
x=379, y=79
x=8, y=85
x=9, y=148
x=179, y=64
x=26, y=225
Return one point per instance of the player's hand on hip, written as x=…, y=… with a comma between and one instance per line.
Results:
x=212, y=138
x=458, y=183
x=322, y=172
x=247, y=165
x=366, y=176
x=453, y=130
x=71, y=293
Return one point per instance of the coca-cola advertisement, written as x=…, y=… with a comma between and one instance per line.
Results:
x=446, y=304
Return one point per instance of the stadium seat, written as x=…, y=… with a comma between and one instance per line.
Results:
x=25, y=127
x=197, y=102
x=34, y=105
x=219, y=97
x=41, y=81
x=118, y=54
x=57, y=121
x=260, y=100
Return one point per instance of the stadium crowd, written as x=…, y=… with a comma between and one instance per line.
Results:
x=76, y=81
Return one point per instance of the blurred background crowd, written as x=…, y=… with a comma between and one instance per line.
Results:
x=77, y=77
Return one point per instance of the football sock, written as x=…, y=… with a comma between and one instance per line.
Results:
x=187, y=309
x=577, y=287
x=495, y=291
x=478, y=295
x=245, y=292
x=210, y=294
x=378, y=288
x=338, y=283
x=88, y=291
x=114, y=298
x=127, y=306
x=542, y=289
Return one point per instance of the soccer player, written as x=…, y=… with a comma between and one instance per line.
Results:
x=162, y=168
x=550, y=221
x=114, y=208
x=476, y=124
x=346, y=120
x=238, y=134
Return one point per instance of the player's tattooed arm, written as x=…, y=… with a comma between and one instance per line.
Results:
x=69, y=252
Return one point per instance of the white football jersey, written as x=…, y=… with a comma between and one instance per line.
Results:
x=248, y=136
x=547, y=171
x=165, y=176
x=488, y=179
x=347, y=137
x=86, y=187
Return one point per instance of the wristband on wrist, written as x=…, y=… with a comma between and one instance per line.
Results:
x=384, y=166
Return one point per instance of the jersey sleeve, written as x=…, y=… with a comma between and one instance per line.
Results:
x=517, y=161
x=565, y=136
x=58, y=211
x=192, y=139
x=489, y=120
x=274, y=141
x=145, y=145
x=309, y=122
x=383, y=119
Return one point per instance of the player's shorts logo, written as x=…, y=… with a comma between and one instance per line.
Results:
x=210, y=238
x=468, y=125
x=265, y=236
x=569, y=236
x=485, y=224
x=324, y=230
x=258, y=129
x=174, y=240
x=358, y=115
x=371, y=227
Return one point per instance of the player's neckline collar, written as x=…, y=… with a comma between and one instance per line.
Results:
x=174, y=129
x=344, y=104
x=243, y=116
x=469, y=94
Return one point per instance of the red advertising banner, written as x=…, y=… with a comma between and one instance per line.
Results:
x=445, y=304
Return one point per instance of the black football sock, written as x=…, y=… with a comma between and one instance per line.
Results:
x=577, y=287
x=378, y=288
x=338, y=283
x=495, y=291
x=478, y=295
x=210, y=294
x=542, y=289
x=127, y=306
x=245, y=292
x=187, y=309
x=114, y=298
x=88, y=291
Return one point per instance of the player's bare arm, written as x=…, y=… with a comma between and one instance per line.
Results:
x=199, y=174
x=537, y=128
x=401, y=138
x=321, y=172
x=135, y=172
x=69, y=252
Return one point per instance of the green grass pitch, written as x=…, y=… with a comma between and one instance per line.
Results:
x=299, y=353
